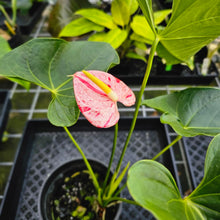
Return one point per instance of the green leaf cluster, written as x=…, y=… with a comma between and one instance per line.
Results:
x=157, y=191
x=48, y=62
x=121, y=28
x=111, y=28
x=193, y=24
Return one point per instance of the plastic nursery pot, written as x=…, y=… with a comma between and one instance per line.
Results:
x=132, y=71
x=69, y=190
x=212, y=70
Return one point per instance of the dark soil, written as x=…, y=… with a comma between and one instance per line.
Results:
x=75, y=199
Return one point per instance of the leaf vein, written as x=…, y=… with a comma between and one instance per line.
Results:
x=202, y=107
x=36, y=78
x=190, y=24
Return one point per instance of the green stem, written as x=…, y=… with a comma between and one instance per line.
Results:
x=144, y=83
x=168, y=146
x=110, y=201
x=6, y=15
x=96, y=184
x=14, y=11
x=112, y=156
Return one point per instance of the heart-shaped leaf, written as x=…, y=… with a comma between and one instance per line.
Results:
x=193, y=25
x=153, y=187
x=190, y=112
x=47, y=62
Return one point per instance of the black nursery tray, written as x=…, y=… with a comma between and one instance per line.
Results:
x=196, y=148
x=44, y=147
x=5, y=105
x=26, y=20
x=132, y=71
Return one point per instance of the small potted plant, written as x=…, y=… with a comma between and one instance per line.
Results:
x=17, y=19
x=95, y=93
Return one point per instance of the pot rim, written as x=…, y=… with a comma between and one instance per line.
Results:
x=55, y=173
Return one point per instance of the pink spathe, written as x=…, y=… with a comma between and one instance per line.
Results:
x=95, y=104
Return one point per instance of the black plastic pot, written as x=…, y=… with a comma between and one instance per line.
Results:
x=132, y=71
x=53, y=187
x=5, y=105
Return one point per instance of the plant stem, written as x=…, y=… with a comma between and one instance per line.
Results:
x=167, y=147
x=96, y=184
x=112, y=156
x=144, y=83
x=6, y=15
x=14, y=11
x=111, y=201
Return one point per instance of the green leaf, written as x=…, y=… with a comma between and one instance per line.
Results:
x=133, y=55
x=190, y=112
x=152, y=186
x=140, y=45
x=193, y=25
x=120, y=11
x=159, y=16
x=98, y=16
x=48, y=62
x=116, y=182
x=114, y=37
x=146, y=7
x=63, y=13
x=79, y=27
x=207, y=194
x=21, y=82
x=133, y=5
x=138, y=38
x=4, y=47
x=140, y=27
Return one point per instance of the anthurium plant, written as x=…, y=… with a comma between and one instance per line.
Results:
x=121, y=27
x=75, y=74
